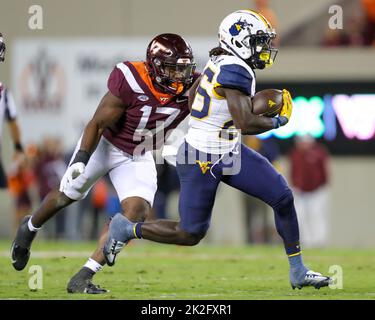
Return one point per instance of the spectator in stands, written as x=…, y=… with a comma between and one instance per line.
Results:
x=310, y=177
x=99, y=200
x=49, y=169
x=258, y=216
x=351, y=35
x=20, y=180
x=369, y=30
x=264, y=8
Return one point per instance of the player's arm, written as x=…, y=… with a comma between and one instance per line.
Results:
x=240, y=107
x=193, y=91
x=235, y=83
x=15, y=133
x=11, y=116
x=109, y=111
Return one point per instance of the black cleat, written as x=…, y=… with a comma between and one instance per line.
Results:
x=81, y=283
x=20, y=250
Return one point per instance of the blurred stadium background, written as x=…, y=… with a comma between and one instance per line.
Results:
x=58, y=74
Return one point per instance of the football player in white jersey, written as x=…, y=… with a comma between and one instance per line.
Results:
x=212, y=152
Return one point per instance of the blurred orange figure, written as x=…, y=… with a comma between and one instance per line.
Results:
x=263, y=7
x=20, y=179
x=369, y=31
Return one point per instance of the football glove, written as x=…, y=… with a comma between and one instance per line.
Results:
x=286, y=111
x=75, y=170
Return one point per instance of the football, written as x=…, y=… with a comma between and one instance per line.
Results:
x=268, y=102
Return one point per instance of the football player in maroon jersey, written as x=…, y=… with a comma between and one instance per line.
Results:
x=143, y=99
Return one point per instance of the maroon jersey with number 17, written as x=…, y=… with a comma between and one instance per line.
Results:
x=147, y=113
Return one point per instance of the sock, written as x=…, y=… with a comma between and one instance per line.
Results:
x=31, y=227
x=138, y=230
x=121, y=228
x=297, y=268
x=287, y=227
x=93, y=265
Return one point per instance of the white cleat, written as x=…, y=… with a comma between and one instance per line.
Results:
x=314, y=279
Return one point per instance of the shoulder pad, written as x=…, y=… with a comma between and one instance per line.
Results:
x=235, y=74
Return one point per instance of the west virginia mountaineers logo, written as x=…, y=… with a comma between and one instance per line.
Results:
x=271, y=103
x=204, y=165
x=236, y=28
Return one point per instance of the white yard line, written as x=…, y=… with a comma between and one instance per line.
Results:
x=199, y=256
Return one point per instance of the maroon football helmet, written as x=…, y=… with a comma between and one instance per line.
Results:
x=170, y=63
x=2, y=48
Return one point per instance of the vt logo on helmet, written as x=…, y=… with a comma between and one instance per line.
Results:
x=248, y=35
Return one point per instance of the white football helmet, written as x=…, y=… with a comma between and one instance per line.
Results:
x=248, y=35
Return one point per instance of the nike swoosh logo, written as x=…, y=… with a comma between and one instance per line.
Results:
x=181, y=100
x=11, y=254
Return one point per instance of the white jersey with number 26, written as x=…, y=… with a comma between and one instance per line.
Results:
x=211, y=127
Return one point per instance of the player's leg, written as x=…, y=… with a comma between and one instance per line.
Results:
x=259, y=178
x=197, y=195
x=135, y=183
x=54, y=202
x=81, y=282
x=137, y=209
x=131, y=190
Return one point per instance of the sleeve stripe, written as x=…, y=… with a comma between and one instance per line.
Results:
x=130, y=78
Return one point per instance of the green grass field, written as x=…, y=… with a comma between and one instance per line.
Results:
x=148, y=271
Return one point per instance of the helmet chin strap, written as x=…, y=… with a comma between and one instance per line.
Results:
x=256, y=63
x=164, y=88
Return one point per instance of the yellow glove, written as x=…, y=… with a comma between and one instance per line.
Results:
x=286, y=110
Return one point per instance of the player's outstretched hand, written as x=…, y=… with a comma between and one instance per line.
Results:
x=286, y=111
x=75, y=170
